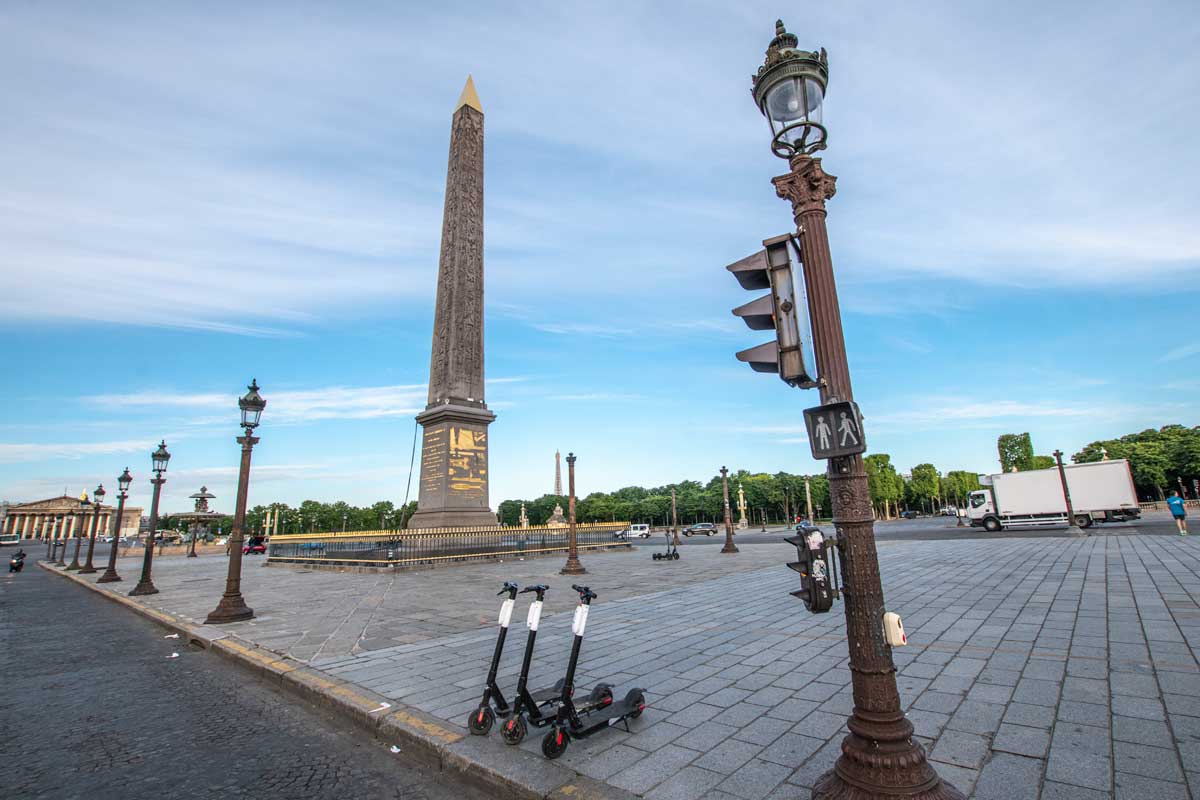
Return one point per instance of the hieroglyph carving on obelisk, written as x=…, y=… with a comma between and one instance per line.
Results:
x=454, y=445
x=557, y=474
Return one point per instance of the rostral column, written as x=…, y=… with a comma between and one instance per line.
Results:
x=454, y=446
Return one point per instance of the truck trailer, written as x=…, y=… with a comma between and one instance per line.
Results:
x=1101, y=491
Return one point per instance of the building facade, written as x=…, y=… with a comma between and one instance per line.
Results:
x=64, y=517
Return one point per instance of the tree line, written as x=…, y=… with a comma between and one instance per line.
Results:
x=1160, y=460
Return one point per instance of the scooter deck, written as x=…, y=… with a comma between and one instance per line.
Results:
x=600, y=718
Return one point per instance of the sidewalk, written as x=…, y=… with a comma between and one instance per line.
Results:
x=1065, y=666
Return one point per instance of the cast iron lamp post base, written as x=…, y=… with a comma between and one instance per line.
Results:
x=110, y=576
x=232, y=608
x=143, y=587
x=729, y=547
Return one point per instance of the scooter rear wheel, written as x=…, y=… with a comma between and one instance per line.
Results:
x=641, y=701
x=513, y=731
x=554, y=743
x=480, y=721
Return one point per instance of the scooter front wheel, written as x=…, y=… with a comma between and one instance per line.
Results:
x=554, y=744
x=480, y=721
x=513, y=731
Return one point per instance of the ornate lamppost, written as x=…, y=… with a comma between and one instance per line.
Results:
x=60, y=538
x=232, y=608
x=573, y=566
x=110, y=574
x=729, y=547
x=159, y=458
x=77, y=529
x=1072, y=528
x=97, y=500
x=674, y=522
x=880, y=756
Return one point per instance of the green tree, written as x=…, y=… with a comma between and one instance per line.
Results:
x=1043, y=462
x=924, y=485
x=1016, y=450
x=881, y=479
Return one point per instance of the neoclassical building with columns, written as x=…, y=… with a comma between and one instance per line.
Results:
x=64, y=516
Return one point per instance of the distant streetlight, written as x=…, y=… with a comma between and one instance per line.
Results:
x=344, y=518
x=97, y=500
x=729, y=547
x=573, y=565
x=159, y=459
x=77, y=530
x=232, y=607
x=110, y=574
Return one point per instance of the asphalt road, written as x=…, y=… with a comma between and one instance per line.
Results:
x=933, y=528
x=93, y=706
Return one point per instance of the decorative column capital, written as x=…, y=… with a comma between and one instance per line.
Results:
x=807, y=186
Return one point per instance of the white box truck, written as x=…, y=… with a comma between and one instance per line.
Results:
x=1101, y=491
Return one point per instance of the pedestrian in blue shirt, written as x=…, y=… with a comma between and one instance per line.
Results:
x=1175, y=503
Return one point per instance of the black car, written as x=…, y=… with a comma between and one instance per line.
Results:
x=909, y=514
x=707, y=528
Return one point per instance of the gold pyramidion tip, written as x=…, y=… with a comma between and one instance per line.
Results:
x=469, y=97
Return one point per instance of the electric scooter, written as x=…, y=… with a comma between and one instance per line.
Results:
x=480, y=721
x=672, y=550
x=532, y=708
x=580, y=721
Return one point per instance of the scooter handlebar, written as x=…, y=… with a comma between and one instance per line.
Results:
x=585, y=594
x=537, y=587
x=509, y=589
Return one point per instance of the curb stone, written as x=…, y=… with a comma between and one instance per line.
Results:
x=518, y=774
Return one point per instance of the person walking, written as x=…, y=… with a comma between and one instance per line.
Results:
x=1175, y=503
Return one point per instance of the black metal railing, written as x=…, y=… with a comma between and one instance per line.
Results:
x=435, y=545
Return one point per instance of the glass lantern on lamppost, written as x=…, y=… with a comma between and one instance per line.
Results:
x=232, y=607
x=789, y=89
x=159, y=459
x=97, y=501
x=110, y=574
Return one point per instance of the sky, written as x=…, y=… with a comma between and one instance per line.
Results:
x=195, y=194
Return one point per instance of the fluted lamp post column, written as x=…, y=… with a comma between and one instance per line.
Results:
x=573, y=566
x=729, y=547
x=97, y=500
x=232, y=608
x=880, y=756
x=77, y=529
x=110, y=574
x=159, y=458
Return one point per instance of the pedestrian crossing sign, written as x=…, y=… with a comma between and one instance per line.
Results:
x=835, y=430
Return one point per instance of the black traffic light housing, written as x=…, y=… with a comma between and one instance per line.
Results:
x=782, y=310
x=818, y=569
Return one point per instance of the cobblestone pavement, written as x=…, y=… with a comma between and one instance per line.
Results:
x=1038, y=667
x=93, y=707
x=315, y=614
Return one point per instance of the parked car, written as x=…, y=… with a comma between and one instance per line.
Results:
x=255, y=545
x=805, y=527
x=909, y=514
x=635, y=532
x=707, y=528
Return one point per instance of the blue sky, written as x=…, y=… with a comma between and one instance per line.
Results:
x=195, y=194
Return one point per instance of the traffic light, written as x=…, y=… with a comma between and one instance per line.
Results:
x=817, y=567
x=782, y=310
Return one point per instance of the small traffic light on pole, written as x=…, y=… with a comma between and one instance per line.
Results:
x=782, y=310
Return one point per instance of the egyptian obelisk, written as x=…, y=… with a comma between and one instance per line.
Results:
x=454, y=447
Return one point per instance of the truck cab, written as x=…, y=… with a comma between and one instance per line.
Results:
x=980, y=509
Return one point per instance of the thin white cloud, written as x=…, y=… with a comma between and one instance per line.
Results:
x=331, y=402
x=42, y=451
x=1181, y=352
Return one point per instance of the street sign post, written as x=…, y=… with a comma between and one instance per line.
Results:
x=835, y=430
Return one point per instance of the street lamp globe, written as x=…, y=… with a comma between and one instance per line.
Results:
x=124, y=481
x=161, y=457
x=252, y=405
x=98, y=495
x=789, y=90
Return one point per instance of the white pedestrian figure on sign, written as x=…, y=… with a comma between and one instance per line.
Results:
x=822, y=430
x=847, y=430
